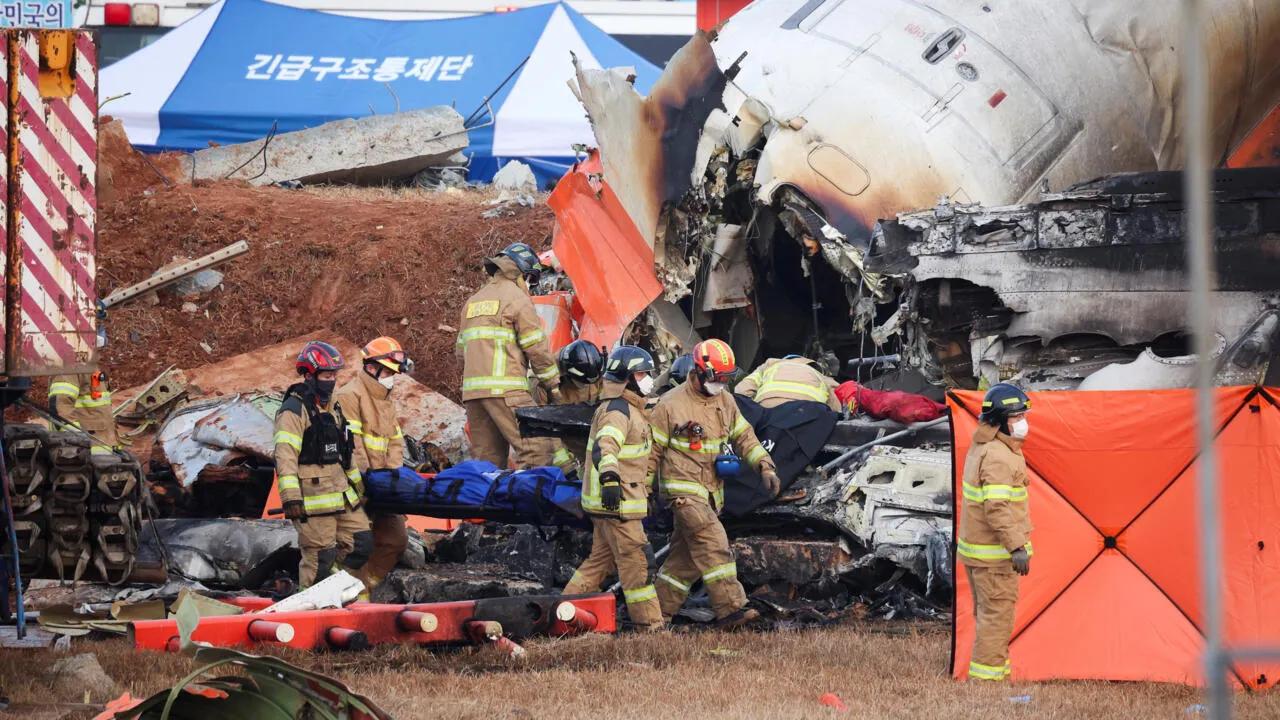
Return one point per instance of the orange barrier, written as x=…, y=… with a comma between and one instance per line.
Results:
x=1113, y=592
x=362, y=624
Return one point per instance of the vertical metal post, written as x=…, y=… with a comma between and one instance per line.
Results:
x=1197, y=179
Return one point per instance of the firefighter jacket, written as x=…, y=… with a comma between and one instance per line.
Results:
x=620, y=441
x=377, y=440
x=501, y=339
x=779, y=381
x=312, y=454
x=996, y=519
x=689, y=430
x=87, y=405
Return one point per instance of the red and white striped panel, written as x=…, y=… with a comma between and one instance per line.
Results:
x=56, y=212
x=4, y=180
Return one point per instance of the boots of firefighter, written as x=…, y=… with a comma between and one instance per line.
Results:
x=634, y=558
x=357, y=557
x=995, y=595
x=599, y=565
x=738, y=619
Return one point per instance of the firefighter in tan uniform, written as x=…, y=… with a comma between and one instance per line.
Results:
x=501, y=341
x=581, y=366
x=377, y=443
x=84, y=401
x=693, y=425
x=319, y=485
x=995, y=526
x=784, y=380
x=616, y=490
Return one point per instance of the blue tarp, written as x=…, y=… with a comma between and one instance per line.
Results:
x=241, y=66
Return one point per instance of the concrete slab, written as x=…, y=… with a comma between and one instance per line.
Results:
x=364, y=151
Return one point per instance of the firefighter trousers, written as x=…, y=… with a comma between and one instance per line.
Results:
x=390, y=538
x=699, y=549
x=495, y=433
x=621, y=546
x=995, y=594
x=326, y=540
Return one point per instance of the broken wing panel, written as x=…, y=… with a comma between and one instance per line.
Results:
x=603, y=253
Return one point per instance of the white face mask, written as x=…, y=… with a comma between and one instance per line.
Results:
x=645, y=384
x=714, y=388
x=1019, y=428
x=387, y=381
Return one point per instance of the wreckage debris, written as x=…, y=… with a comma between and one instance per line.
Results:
x=1084, y=281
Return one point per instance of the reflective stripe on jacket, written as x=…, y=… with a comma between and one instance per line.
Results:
x=778, y=381
x=323, y=489
x=620, y=441
x=371, y=415
x=72, y=398
x=685, y=463
x=995, y=515
x=501, y=339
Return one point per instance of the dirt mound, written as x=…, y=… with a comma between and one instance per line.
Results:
x=358, y=262
x=123, y=171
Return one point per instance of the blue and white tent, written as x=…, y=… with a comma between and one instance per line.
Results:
x=230, y=73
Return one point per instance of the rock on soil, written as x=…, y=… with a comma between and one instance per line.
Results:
x=356, y=262
x=84, y=673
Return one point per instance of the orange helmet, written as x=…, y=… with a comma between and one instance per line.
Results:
x=713, y=361
x=386, y=351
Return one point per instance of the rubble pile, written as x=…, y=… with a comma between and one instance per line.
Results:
x=409, y=259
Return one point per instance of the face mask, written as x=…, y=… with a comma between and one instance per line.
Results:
x=713, y=388
x=645, y=384
x=323, y=389
x=387, y=381
x=1018, y=429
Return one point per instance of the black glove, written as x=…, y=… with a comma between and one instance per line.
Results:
x=294, y=510
x=610, y=491
x=1021, y=561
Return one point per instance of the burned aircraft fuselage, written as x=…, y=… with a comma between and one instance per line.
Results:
x=834, y=114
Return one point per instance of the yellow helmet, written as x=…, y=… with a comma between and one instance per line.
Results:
x=386, y=351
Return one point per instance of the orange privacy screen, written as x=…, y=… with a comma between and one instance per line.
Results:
x=1114, y=589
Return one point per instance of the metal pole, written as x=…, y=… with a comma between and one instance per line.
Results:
x=1196, y=193
x=911, y=430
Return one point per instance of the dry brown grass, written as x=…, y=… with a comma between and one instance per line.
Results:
x=880, y=671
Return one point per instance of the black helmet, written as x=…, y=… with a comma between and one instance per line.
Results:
x=626, y=360
x=1001, y=401
x=523, y=256
x=581, y=360
x=680, y=369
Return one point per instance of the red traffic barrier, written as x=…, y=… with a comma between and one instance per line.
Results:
x=361, y=625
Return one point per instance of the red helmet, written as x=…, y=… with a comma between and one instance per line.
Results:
x=713, y=361
x=317, y=356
